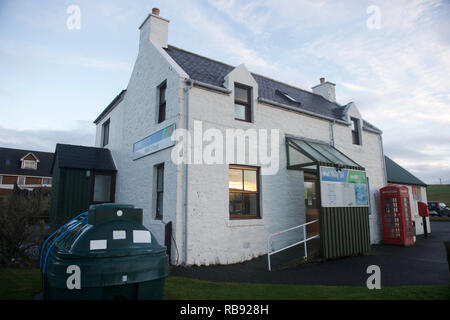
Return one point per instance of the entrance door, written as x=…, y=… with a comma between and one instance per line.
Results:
x=311, y=204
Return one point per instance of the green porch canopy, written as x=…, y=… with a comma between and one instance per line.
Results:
x=305, y=154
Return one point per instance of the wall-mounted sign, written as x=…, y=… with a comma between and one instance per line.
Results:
x=343, y=187
x=154, y=142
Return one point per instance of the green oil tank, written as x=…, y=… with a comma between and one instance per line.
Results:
x=105, y=253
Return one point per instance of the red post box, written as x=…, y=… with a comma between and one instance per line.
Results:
x=423, y=209
x=396, y=215
x=423, y=212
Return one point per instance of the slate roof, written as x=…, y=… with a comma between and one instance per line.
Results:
x=213, y=72
x=10, y=162
x=81, y=157
x=398, y=174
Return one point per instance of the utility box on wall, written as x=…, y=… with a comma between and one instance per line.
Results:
x=396, y=215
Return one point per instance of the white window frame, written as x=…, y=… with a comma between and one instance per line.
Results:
x=33, y=164
x=18, y=180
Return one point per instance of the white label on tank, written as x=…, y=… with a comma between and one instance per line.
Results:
x=141, y=236
x=119, y=234
x=98, y=244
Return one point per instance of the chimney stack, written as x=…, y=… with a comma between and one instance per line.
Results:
x=155, y=28
x=326, y=89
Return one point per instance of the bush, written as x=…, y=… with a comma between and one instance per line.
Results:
x=22, y=225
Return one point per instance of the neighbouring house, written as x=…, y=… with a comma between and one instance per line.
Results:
x=417, y=190
x=167, y=133
x=26, y=168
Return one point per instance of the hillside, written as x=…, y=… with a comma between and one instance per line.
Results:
x=439, y=192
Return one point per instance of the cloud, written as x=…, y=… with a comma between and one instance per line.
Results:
x=46, y=139
x=199, y=20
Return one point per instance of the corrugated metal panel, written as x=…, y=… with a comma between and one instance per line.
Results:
x=70, y=194
x=344, y=231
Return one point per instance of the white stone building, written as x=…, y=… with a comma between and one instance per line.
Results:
x=223, y=212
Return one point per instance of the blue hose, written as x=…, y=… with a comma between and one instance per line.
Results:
x=43, y=246
x=54, y=241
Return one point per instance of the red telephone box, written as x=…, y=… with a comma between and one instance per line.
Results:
x=396, y=215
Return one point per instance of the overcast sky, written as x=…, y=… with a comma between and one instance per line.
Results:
x=392, y=58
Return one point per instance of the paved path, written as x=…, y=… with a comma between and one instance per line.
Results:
x=425, y=263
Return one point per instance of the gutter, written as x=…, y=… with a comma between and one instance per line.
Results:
x=189, y=84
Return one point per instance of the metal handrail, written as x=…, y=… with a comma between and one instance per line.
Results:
x=305, y=240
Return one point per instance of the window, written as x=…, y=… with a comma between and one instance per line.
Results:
x=416, y=193
x=105, y=133
x=1, y=177
x=244, y=192
x=356, y=132
x=159, y=190
x=29, y=164
x=242, y=103
x=103, y=187
x=20, y=180
x=47, y=181
x=162, y=102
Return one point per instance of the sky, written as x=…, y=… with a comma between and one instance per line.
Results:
x=392, y=58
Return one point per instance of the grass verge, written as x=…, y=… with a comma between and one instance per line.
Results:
x=434, y=218
x=20, y=284
x=178, y=288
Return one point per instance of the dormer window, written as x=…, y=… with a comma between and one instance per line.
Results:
x=29, y=162
x=242, y=102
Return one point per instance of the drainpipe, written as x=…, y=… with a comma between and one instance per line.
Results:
x=332, y=123
x=189, y=84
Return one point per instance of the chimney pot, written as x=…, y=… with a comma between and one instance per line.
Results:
x=322, y=80
x=155, y=11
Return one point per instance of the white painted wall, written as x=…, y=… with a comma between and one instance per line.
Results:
x=136, y=118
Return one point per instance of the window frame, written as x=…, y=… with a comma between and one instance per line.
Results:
x=33, y=162
x=356, y=131
x=162, y=109
x=257, y=192
x=159, y=193
x=49, y=179
x=18, y=179
x=105, y=137
x=112, y=187
x=248, y=105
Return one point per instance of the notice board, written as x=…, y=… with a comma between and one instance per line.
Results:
x=343, y=187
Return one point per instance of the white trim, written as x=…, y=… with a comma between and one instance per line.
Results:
x=37, y=159
x=15, y=175
x=34, y=164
